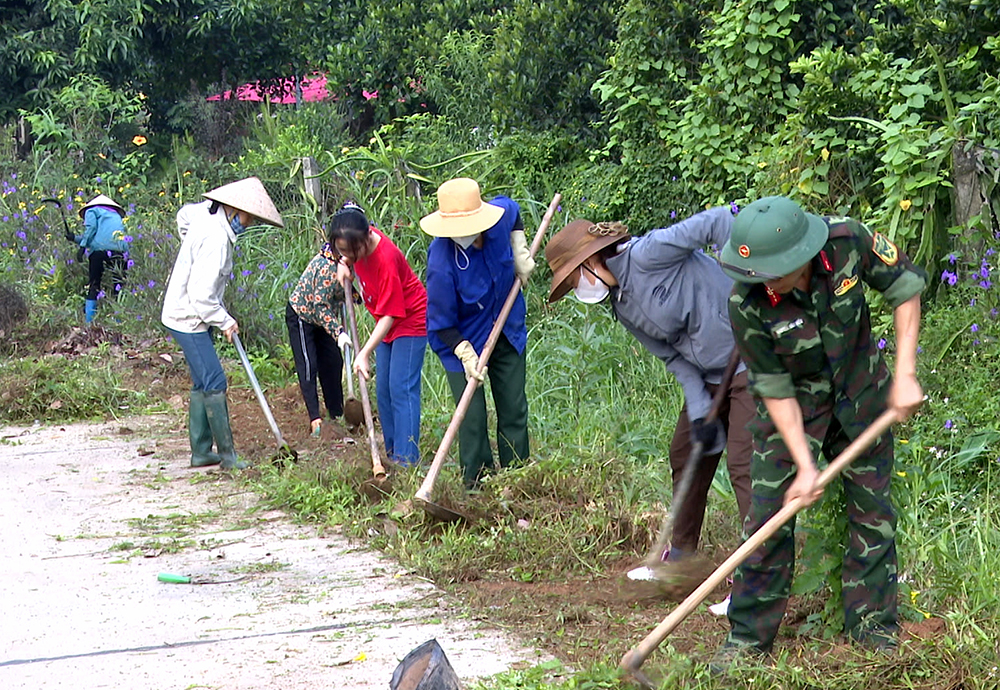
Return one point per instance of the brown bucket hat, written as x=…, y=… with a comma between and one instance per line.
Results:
x=101, y=200
x=248, y=195
x=573, y=245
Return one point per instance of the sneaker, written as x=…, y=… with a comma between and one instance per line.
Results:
x=729, y=654
x=722, y=608
x=877, y=640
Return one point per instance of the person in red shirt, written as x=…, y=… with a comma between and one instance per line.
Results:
x=397, y=300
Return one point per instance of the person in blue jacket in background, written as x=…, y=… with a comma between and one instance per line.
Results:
x=478, y=252
x=105, y=239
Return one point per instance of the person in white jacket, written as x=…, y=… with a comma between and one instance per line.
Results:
x=193, y=305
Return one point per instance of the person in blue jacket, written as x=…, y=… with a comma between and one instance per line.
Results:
x=105, y=239
x=478, y=252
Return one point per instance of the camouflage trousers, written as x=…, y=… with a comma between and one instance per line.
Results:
x=762, y=583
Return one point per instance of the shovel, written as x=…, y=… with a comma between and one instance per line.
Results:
x=284, y=450
x=378, y=469
x=648, y=571
x=354, y=412
x=423, y=496
x=634, y=659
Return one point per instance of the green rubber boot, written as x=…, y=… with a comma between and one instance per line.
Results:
x=200, y=433
x=218, y=419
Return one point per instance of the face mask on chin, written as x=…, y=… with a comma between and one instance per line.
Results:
x=466, y=241
x=588, y=292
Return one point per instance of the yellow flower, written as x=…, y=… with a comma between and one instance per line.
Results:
x=186, y=173
x=101, y=155
x=903, y=441
x=905, y=204
x=825, y=153
x=138, y=140
x=901, y=474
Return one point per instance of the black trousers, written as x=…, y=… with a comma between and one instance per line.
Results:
x=98, y=261
x=316, y=356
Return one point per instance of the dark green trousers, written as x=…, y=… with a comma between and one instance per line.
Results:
x=762, y=583
x=506, y=372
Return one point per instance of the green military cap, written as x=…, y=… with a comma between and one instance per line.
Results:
x=771, y=238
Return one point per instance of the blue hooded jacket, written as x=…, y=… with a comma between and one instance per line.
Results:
x=104, y=230
x=466, y=288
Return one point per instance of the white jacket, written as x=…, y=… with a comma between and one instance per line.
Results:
x=193, y=300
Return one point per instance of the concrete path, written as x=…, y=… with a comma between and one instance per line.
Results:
x=88, y=521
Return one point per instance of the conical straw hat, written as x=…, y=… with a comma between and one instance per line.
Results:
x=101, y=200
x=248, y=195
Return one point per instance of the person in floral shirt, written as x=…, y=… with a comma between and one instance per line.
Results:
x=316, y=334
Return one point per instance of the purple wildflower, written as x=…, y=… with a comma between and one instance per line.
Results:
x=975, y=328
x=151, y=283
x=948, y=424
x=949, y=277
x=951, y=259
x=881, y=343
x=985, y=284
x=245, y=272
x=261, y=267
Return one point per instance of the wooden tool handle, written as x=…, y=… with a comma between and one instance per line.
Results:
x=637, y=656
x=424, y=492
x=378, y=469
x=691, y=466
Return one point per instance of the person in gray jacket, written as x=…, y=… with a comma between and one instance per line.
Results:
x=674, y=299
x=192, y=306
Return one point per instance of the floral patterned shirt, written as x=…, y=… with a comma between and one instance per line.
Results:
x=318, y=298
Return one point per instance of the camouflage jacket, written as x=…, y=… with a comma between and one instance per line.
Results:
x=817, y=346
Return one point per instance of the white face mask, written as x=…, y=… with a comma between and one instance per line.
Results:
x=465, y=242
x=588, y=292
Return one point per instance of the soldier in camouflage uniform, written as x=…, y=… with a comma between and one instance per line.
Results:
x=803, y=328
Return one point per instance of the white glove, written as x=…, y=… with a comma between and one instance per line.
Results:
x=467, y=354
x=343, y=340
x=523, y=263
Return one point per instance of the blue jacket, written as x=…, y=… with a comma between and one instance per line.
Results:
x=104, y=230
x=466, y=288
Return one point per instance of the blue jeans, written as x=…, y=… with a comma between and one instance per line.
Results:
x=397, y=385
x=203, y=362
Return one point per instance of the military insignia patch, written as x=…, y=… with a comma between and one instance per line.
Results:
x=846, y=284
x=885, y=250
x=744, y=251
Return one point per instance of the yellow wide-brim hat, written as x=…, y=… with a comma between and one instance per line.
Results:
x=461, y=211
x=250, y=196
x=101, y=200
